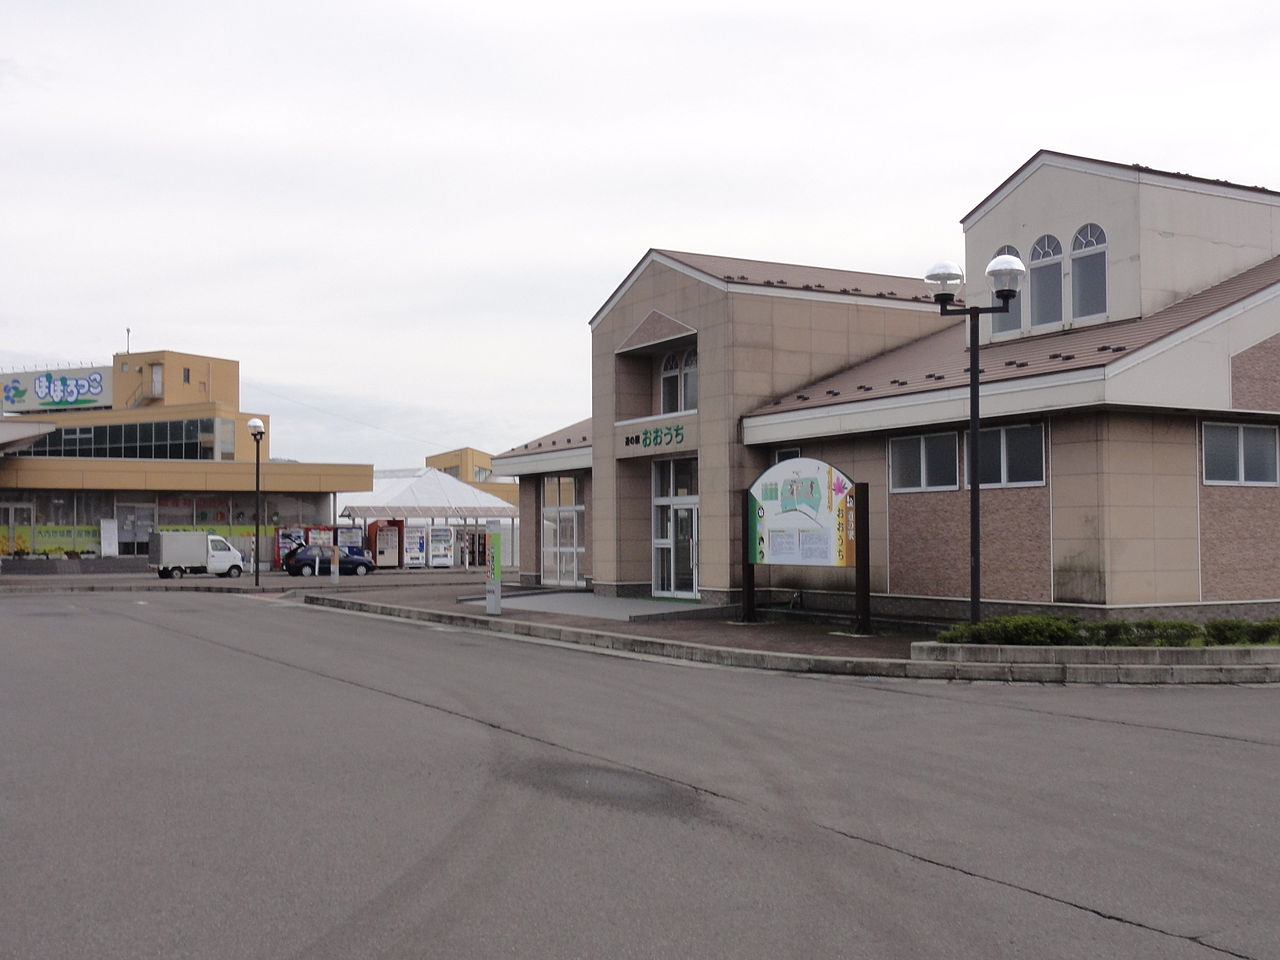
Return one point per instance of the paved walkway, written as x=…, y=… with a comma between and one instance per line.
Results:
x=587, y=612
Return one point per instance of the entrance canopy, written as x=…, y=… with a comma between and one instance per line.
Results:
x=422, y=494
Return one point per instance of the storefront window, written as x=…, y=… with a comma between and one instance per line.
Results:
x=563, y=530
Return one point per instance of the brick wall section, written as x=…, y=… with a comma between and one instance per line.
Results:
x=1240, y=550
x=1254, y=385
x=929, y=544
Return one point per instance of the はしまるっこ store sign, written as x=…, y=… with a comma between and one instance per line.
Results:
x=77, y=387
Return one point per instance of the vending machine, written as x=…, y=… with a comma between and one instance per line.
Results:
x=415, y=546
x=320, y=535
x=441, y=546
x=385, y=536
x=350, y=540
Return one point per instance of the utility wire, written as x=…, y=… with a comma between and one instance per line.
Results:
x=349, y=419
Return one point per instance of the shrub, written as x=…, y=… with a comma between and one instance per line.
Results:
x=1023, y=631
x=1060, y=631
x=1109, y=633
x=1168, y=633
x=1265, y=631
x=1228, y=632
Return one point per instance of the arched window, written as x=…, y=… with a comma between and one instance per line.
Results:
x=680, y=381
x=1046, y=282
x=1007, y=322
x=1089, y=272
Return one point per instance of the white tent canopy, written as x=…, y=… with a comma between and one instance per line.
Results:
x=422, y=494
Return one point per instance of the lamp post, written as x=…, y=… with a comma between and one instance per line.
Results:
x=1005, y=274
x=257, y=430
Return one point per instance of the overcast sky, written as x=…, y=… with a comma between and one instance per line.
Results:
x=400, y=216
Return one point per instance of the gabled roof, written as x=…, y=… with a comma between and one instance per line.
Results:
x=656, y=328
x=573, y=437
x=735, y=274
x=1130, y=171
x=422, y=493
x=568, y=448
x=940, y=361
x=793, y=276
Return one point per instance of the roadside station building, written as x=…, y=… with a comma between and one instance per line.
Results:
x=1130, y=407
x=154, y=440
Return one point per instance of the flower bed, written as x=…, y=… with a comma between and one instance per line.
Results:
x=1061, y=631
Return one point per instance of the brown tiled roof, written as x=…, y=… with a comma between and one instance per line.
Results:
x=573, y=437
x=941, y=360
x=791, y=276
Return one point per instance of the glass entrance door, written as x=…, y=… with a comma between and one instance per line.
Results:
x=675, y=528
x=684, y=551
x=17, y=528
x=136, y=521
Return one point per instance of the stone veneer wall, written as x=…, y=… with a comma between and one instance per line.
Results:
x=1254, y=384
x=1239, y=544
x=929, y=543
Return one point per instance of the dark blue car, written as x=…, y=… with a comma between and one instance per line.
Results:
x=301, y=562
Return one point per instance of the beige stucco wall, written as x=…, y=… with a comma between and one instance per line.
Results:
x=1079, y=563
x=1125, y=521
x=752, y=347
x=70, y=473
x=1125, y=517
x=212, y=380
x=1059, y=202
x=1166, y=238
x=1192, y=239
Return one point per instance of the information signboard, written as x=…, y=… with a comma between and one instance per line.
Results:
x=801, y=512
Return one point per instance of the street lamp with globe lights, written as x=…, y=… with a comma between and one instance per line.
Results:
x=946, y=279
x=257, y=430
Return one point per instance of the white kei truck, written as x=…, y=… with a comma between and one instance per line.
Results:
x=173, y=554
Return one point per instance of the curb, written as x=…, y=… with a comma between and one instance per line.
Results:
x=673, y=649
x=927, y=668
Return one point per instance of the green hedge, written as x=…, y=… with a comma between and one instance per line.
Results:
x=1066, y=631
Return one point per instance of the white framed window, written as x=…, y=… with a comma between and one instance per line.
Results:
x=1089, y=272
x=689, y=380
x=1046, y=282
x=679, y=381
x=925, y=462
x=1011, y=321
x=1236, y=453
x=1010, y=456
x=785, y=453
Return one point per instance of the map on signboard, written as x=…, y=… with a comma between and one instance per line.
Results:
x=802, y=514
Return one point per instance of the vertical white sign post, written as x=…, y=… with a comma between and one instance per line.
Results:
x=493, y=576
x=109, y=536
